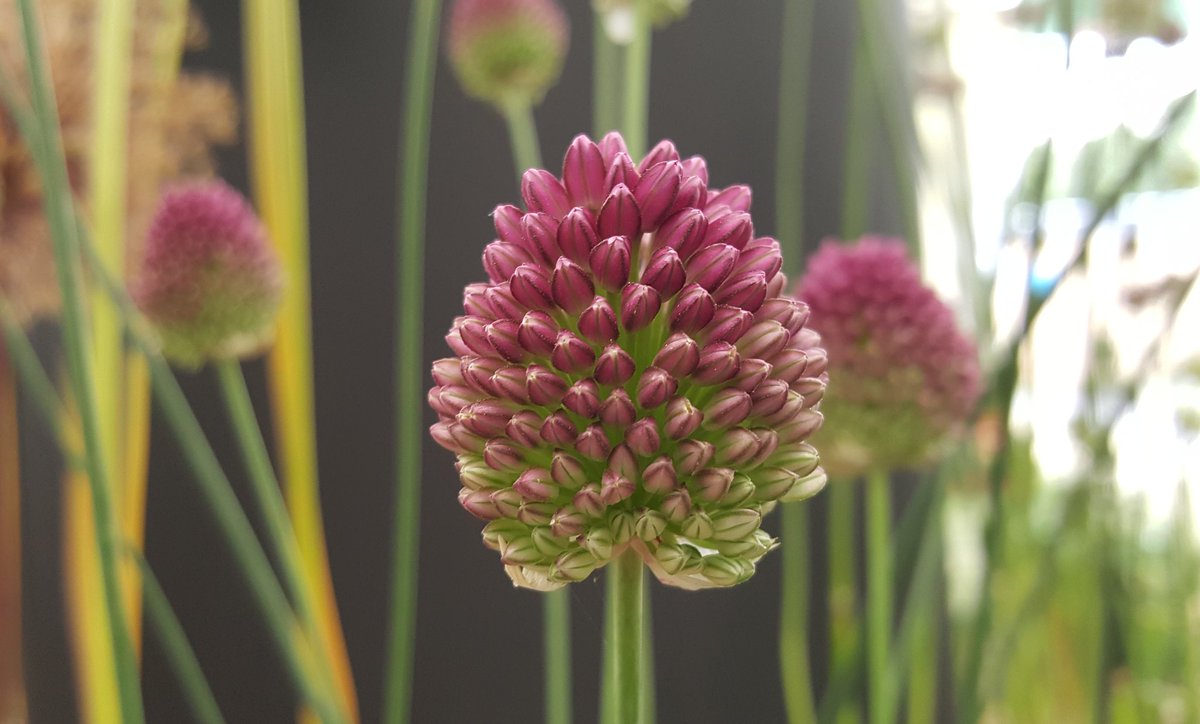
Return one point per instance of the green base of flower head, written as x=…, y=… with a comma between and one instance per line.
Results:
x=513, y=62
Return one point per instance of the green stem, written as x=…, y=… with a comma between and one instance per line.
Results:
x=879, y=595
x=410, y=394
x=636, y=107
x=180, y=656
x=793, y=624
x=626, y=588
x=36, y=382
x=843, y=628
x=790, y=131
x=857, y=154
x=606, y=79
x=46, y=145
x=523, y=135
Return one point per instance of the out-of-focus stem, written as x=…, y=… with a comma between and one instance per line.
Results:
x=523, y=135
x=410, y=397
x=857, y=155
x=791, y=128
x=606, y=79
x=12, y=678
x=793, y=624
x=636, y=106
x=879, y=595
x=843, y=616
x=626, y=586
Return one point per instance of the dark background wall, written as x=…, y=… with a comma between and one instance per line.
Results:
x=714, y=88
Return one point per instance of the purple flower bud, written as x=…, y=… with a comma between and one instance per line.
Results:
x=544, y=386
x=567, y=523
x=659, y=476
x=571, y=354
x=781, y=309
x=622, y=461
x=751, y=374
x=530, y=285
x=619, y=216
x=642, y=437
x=544, y=194
x=729, y=324
x=665, y=272
x=764, y=340
x=736, y=446
x=535, y=485
x=478, y=504
x=614, y=488
x=818, y=362
x=537, y=333
x=747, y=290
x=571, y=286
x=441, y=434
x=621, y=171
x=694, y=309
x=614, y=366
x=696, y=166
x=612, y=144
x=683, y=418
x=507, y=220
x=577, y=235
x=486, y=418
x=639, y=306
x=478, y=372
x=656, y=192
x=711, y=265
x=593, y=444
x=793, y=405
x=727, y=408
x=501, y=259
x=692, y=194
x=448, y=371
x=473, y=332
x=475, y=303
x=655, y=387
x=768, y=442
x=663, y=151
x=711, y=484
x=583, y=398
x=768, y=397
x=789, y=365
x=618, y=409
x=502, y=302
x=567, y=471
x=693, y=455
x=511, y=383
x=588, y=501
x=684, y=232
x=583, y=173
x=455, y=342
x=524, y=428
x=776, y=285
x=558, y=430
x=500, y=455
x=801, y=426
x=598, y=323
x=502, y=336
x=609, y=261
x=761, y=255
x=719, y=362
x=732, y=230
x=539, y=235
x=736, y=197
x=676, y=506
x=679, y=355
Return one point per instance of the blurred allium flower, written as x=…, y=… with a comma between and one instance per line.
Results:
x=507, y=52
x=632, y=374
x=174, y=123
x=619, y=18
x=904, y=377
x=210, y=282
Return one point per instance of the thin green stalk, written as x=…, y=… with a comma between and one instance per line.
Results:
x=914, y=647
x=636, y=106
x=556, y=605
x=794, y=64
x=180, y=656
x=46, y=145
x=222, y=502
x=34, y=379
x=879, y=595
x=793, y=624
x=649, y=699
x=626, y=584
x=410, y=394
x=842, y=602
x=523, y=135
x=606, y=79
x=857, y=155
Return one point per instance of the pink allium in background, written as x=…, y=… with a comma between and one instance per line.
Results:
x=507, y=51
x=904, y=378
x=631, y=374
x=210, y=282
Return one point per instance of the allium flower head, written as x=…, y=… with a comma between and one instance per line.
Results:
x=904, y=377
x=210, y=282
x=631, y=374
x=507, y=51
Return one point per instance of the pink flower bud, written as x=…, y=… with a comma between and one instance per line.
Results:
x=485, y=418
x=761, y=255
x=623, y=462
x=696, y=166
x=598, y=323
x=619, y=216
x=655, y=387
x=571, y=354
x=711, y=265
x=588, y=501
x=593, y=444
x=732, y=230
x=478, y=504
x=537, y=333
x=642, y=437
x=692, y=455
x=683, y=418
x=665, y=272
x=694, y=309
x=475, y=303
x=659, y=476
x=472, y=331
x=502, y=302
x=530, y=285
x=502, y=336
x=609, y=261
x=583, y=398
x=663, y=151
x=612, y=144
x=539, y=236
x=618, y=409
x=614, y=488
x=614, y=366
x=621, y=171
x=747, y=290
x=507, y=220
x=679, y=355
x=752, y=373
x=544, y=194
x=676, y=506
x=729, y=324
x=656, y=192
x=577, y=235
x=768, y=397
x=501, y=259
x=558, y=430
x=448, y=371
x=736, y=446
x=478, y=372
x=500, y=455
x=727, y=408
x=567, y=471
x=737, y=197
x=524, y=428
x=571, y=286
x=511, y=383
x=639, y=306
x=692, y=194
x=583, y=173
x=568, y=523
x=719, y=362
x=712, y=483
x=764, y=340
x=684, y=232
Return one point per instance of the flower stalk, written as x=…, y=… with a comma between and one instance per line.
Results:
x=626, y=585
x=879, y=596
